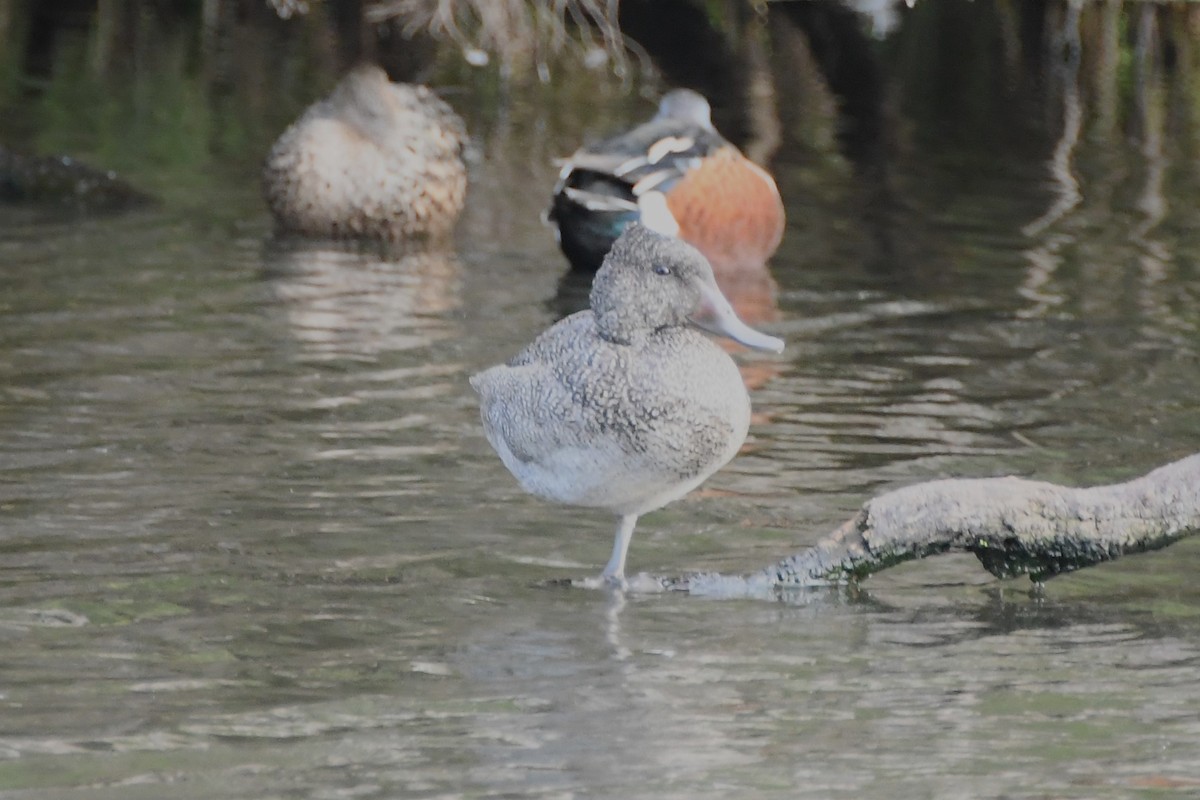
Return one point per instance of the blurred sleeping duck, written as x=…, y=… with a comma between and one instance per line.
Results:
x=717, y=200
x=373, y=160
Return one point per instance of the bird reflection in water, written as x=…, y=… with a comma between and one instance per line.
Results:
x=344, y=302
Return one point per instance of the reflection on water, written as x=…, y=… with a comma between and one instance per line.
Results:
x=252, y=541
x=343, y=302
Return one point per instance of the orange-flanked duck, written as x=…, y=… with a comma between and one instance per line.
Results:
x=717, y=200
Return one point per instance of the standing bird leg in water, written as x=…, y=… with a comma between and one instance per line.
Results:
x=615, y=569
x=626, y=406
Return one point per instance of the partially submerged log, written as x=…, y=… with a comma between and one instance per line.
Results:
x=1013, y=526
x=63, y=182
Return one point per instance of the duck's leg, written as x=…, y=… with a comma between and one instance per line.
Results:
x=615, y=571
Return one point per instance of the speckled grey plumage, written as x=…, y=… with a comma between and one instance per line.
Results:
x=374, y=160
x=625, y=406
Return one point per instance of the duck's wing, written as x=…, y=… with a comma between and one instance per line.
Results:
x=584, y=421
x=527, y=407
x=540, y=415
x=566, y=391
x=599, y=188
x=570, y=388
x=612, y=174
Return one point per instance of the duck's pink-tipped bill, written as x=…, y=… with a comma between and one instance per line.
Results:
x=716, y=315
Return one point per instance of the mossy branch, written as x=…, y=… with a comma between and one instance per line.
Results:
x=1013, y=526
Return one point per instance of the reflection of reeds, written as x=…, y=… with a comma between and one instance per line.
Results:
x=1115, y=154
x=515, y=30
x=1065, y=184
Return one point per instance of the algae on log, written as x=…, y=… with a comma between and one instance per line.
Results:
x=1013, y=526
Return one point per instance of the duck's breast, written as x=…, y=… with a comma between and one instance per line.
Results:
x=688, y=402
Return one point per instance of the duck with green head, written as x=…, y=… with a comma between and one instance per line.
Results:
x=716, y=199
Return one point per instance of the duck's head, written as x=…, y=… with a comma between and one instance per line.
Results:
x=400, y=117
x=684, y=105
x=649, y=281
x=364, y=93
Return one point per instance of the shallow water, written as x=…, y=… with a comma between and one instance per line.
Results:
x=253, y=543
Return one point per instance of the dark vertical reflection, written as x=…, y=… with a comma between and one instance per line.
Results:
x=849, y=63
x=679, y=37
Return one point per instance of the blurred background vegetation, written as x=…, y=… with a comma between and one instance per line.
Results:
x=176, y=94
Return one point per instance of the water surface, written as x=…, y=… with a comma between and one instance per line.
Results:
x=253, y=543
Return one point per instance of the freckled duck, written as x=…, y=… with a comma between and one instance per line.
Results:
x=373, y=160
x=626, y=406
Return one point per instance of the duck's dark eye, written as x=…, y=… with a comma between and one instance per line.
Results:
x=662, y=269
